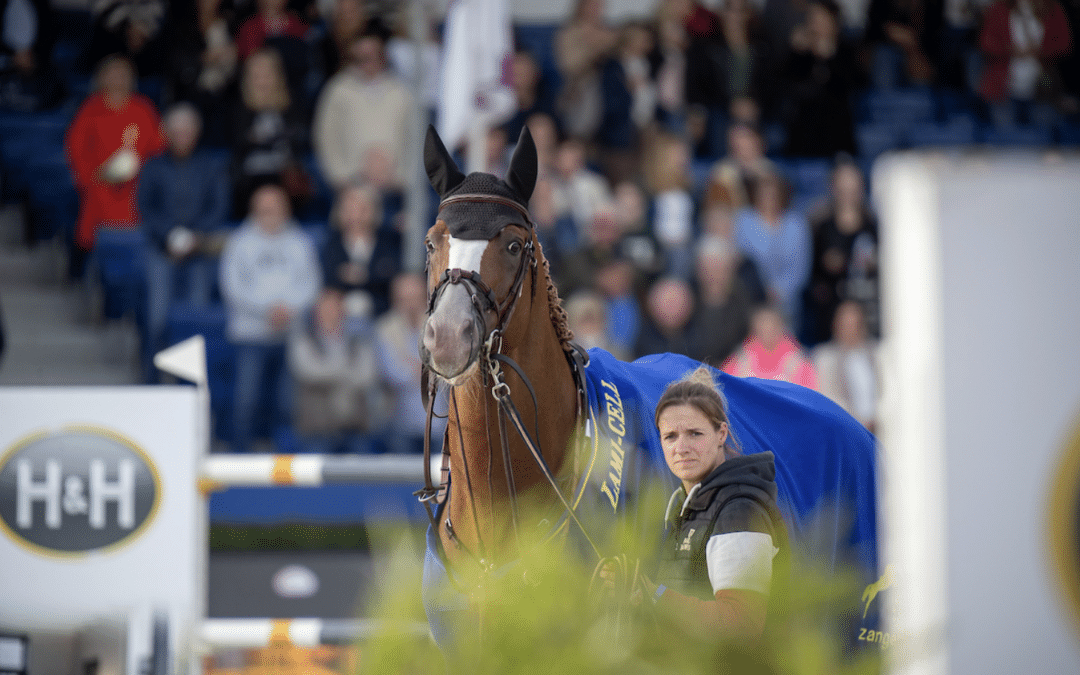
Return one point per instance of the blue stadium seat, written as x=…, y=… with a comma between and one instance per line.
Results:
x=1020, y=136
x=318, y=231
x=959, y=132
x=1070, y=135
x=900, y=106
x=119, y=263
x=52, y=197
x=876, y=138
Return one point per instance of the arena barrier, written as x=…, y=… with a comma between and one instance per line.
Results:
x=254, y=633
x=222, y=471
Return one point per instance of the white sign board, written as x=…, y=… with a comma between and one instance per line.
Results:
x=981, y=268
x=100, y=516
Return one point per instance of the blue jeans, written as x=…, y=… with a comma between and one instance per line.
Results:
x=190, y=281
x=262, y=385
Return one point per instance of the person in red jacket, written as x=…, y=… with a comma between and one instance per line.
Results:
x=271, y=20
x=113, y=133
x=1021, y=41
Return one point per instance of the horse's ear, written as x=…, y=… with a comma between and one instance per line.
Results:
x=442, y=171
x=521, y=175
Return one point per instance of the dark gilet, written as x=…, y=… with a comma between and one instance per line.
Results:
x=738, y=496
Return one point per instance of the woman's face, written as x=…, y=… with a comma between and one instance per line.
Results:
x=260, y=73
x=693, y=448
x=118, y=80
x=357, y=211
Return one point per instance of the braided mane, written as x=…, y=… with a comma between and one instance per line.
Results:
x=559, y=319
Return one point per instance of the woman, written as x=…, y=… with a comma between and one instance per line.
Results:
x=716, y=567
x=778, y=240
x=268, y=133
x=114, y=131
x=361, y=258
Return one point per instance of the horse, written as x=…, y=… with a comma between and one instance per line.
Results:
x=541, y=430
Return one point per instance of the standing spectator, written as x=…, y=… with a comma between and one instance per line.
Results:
x=269, y=278
x=777, y=239
x=399, y=334
x=629, y=103
x=132, y=28
x=271, y=20
x=822, y=74
x=183, y=200
x=530, y=94
x=362, y=119
x=334, y=363
x=113, y=132
x=667, y=175
x=579, y=192
x=722, y=320
x=269, y=134
x=730, y=177
x=581, y=46
x=849, y=366
x=669, y=308
x=905, y=36
x=845, y=254
x=360, y=258
x=1021, y=42
x=587, y=316
x=771, y=352
x=347, y=21
x=201, y=63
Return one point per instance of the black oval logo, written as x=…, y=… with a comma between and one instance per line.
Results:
x=76, y=490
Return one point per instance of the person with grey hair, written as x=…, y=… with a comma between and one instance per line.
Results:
x=722, y=320
x=183, y=200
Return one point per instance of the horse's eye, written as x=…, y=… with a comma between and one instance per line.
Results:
x=514, y=247
x=430, y=246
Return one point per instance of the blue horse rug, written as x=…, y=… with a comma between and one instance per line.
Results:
x=825, y=467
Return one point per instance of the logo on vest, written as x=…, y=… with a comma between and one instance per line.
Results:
x=76, y=490
x=685, y=545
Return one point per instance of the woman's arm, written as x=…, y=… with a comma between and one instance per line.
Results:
x=733, y=613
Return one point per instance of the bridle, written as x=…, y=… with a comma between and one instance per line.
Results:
x=483, y=300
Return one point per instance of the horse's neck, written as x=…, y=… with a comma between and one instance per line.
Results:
x=479, y=502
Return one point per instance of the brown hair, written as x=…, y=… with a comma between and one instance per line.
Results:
x=698, y=389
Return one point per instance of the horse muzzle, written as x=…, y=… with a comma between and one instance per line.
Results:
x=452, y=335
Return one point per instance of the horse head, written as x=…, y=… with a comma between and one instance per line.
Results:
x=480, y=251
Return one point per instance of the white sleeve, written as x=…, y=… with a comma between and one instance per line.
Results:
x=740, y=560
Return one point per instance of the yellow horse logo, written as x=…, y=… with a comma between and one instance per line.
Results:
x=878, y=586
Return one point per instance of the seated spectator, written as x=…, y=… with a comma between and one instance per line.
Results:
x=360, y=258
x=730, y=177
x=399, y=364
x=849, y=366
x=845, y=265
x=579, y=192
x=1021, y=42
x=271, y=20
x=587, y=316
x=719, y=221
x=771, y=352
x=667, y=177
x=722, y=320
x=268, y=134
x=777, y=239
x=335, y=365
x=581, y=46
x=183, y=200
x=363, y=120
x=28, y=79
x=669, y=308
x=114, y=131
x=905, y=36
x=269, y=278
x=201, y=63
x=132, y=28
x=617, y=282
x=821, y=74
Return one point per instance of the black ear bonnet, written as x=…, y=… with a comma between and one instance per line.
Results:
x=479, y=206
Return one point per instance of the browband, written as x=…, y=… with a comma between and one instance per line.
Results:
x=494, y=199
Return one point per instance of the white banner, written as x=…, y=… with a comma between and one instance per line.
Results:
x=100, y=516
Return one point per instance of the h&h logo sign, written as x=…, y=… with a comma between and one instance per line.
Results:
x=76, y=490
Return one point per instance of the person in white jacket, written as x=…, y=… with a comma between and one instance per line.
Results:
x=270, y=277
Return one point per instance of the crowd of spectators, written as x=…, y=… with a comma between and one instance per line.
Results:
x=672, y=200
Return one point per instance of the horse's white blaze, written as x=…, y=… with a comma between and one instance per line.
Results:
x=466, y=254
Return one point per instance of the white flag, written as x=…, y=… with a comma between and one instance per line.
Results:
x=477, y=50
